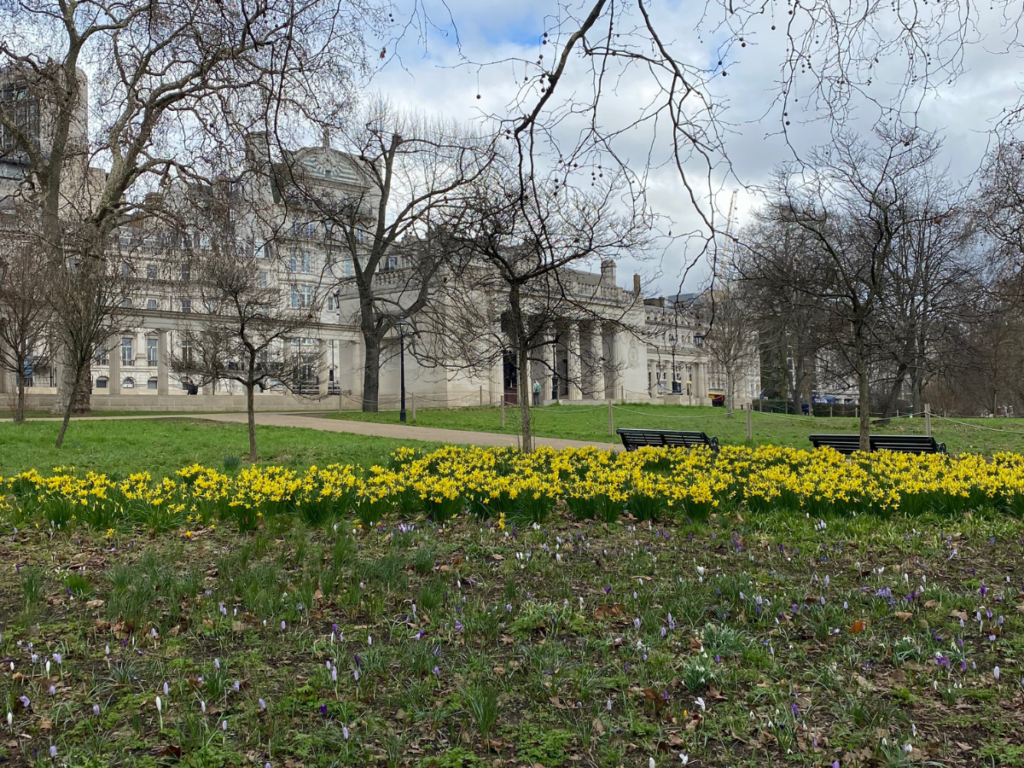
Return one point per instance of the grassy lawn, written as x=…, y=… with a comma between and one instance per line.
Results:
x=591, y=423
x=162, y=446
x=748, y=641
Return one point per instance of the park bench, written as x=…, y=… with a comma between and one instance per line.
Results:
x=665, y=438
x=898, y=443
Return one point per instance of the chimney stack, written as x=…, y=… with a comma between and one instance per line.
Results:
x=608, y=271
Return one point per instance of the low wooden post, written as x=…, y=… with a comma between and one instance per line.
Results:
x=927, y=419
x=481, y=395
x=622, y=392
x=611, y=418
x=413, y=394
x=503, y=410
x=750, y=427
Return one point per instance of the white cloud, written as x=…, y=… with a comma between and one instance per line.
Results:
x=439, y=77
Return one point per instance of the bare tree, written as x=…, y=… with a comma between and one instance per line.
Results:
x=412, y=171
x=172, y=80
x=790, y=323
x=730, y=337
x=251, y=318
x=511, y=285
x=24, y=314
x=854, y=207
x=89, y=301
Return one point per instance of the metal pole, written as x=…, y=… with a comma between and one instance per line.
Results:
x=750, y=427
x=481, y=394
x=413, y=396
x=503, y=410
x=927, y=419
x=611, y=418
x=401, y=358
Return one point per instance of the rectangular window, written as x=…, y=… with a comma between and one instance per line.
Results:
x=293, y=261
x=186, y=353
x=127, y=352
x=360, y=235
x=392, y=264
x=307, y=263
x=101, y=383
x=348, y=267
x=186, y=306
x=310, y=228
x=152, y=304
x=101, y=357
x=306, y=292
x=295, y=298
x=151, y=355
x=151, y=271
x=264, y=279
x=186, y=271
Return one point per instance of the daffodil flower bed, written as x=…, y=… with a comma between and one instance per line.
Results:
x=649, y=484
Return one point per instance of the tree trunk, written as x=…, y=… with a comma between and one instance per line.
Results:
x=894, y=391
x=523, y=366
x=19, y=410
x=864, y=395
x=371, y=373
x=83, y=392
x=72, y=397
x=250, y=406
x=729, y=388
x=525, y=393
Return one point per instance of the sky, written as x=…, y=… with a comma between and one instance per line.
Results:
x=465, y=59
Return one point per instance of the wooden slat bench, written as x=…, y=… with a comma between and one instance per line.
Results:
x=665, y=438
x=898, y=443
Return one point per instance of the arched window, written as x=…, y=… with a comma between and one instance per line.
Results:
x=128, y=383
x=101, y=382
x=152, y=383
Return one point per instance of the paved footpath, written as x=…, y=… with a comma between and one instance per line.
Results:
x=399, y=431
x=396, y=431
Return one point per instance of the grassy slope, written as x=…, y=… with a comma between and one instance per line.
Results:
x=591, y=423
x=161, y=446
x=511, y=645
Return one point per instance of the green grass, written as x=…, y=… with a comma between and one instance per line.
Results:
x=566, y=646
x=590, y=423
x=162, y=446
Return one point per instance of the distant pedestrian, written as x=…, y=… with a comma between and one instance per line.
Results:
x=536, y=393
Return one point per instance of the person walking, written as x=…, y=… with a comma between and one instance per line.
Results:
x=536, y=393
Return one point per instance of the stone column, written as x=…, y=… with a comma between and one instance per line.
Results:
x=702, y=384
x=162, y=385
x=355, y=357
x=324, y=365
x=114, y=376
x=574, y=366
x=595, y=362
x=546, y=371
x=615, y=360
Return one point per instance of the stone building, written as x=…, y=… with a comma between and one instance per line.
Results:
x=624, y=348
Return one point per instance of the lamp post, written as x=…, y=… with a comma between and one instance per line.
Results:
x=402, y=323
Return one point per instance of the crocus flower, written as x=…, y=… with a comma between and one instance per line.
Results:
x=96, y=709
x=995, y=673
x=344, y=732
x=53, y=753
x=263, y=704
